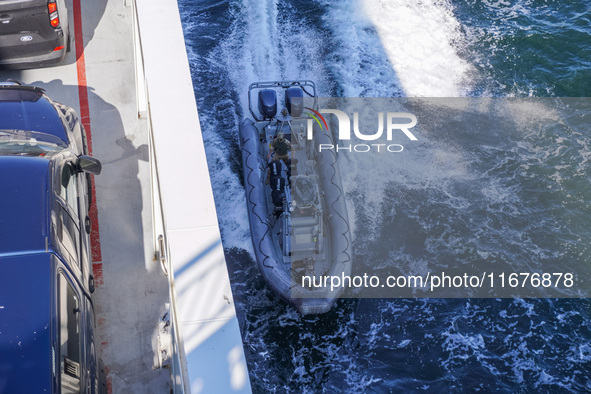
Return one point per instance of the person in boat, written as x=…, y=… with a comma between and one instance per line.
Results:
x=277, y=168
x=280, y=148
x=278, y=194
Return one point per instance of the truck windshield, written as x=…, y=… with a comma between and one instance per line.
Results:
x=28, y=143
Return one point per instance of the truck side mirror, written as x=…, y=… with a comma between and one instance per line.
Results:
x=89, y=164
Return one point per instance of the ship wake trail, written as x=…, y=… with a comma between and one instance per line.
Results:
x=251, y=40
x=265, y=44
x=398, y=48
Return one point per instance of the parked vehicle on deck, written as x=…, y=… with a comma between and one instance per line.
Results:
x=47, y=317
x=33, y=33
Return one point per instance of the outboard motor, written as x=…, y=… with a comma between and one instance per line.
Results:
x=294, y=101
x=267, y=103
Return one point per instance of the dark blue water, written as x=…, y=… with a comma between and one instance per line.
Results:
x=521, y=196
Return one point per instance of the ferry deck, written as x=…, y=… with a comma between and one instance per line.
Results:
x=165, y=314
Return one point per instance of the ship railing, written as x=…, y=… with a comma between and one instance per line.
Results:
x=170, y=348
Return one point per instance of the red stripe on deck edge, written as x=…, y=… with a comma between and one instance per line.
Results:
x=97, y=273
x=109, y=380
x=95, y=242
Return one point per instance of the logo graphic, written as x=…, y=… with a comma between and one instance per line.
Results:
x=316, y=119
x=396, y=123
x=26, y=38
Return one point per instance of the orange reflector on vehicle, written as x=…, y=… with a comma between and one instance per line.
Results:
x=59, y=48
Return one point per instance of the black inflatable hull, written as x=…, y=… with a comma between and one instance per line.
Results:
x=266, y=250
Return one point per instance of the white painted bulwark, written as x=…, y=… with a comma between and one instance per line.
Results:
x=204, y=304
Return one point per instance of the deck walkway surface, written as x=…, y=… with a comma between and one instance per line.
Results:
x=98, y=79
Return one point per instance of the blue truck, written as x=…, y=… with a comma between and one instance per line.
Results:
x=47, y=318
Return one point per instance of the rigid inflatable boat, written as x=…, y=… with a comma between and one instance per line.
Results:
x=296, y=204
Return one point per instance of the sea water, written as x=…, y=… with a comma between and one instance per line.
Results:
x=518, y=195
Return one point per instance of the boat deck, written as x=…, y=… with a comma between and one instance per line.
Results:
x=98, y=79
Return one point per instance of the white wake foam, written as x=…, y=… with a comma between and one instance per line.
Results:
x=419, y=41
